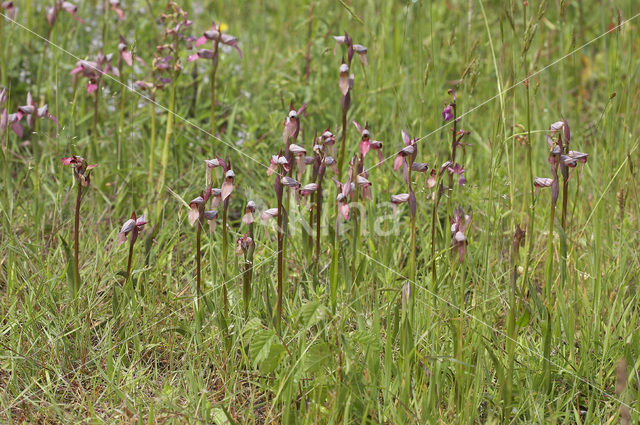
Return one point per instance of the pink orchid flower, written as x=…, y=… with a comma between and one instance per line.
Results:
x=215, y=35
x=132, y=226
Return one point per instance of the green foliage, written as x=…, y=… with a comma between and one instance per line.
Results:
x=347, y=353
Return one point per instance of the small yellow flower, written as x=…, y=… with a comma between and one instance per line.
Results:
x=223, y=26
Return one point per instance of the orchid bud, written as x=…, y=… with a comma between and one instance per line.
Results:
x=247, y=218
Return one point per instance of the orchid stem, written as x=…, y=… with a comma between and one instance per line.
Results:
x=225, y=299
x=280, y=258
x=76, y=237
x=126, y=279
x=152, y=141
x=198, y=270
x=214, y=69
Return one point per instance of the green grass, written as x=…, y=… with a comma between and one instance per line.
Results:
x=347, y=352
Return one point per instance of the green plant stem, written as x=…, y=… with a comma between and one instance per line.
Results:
x=121, y=126
x=95, y=121
x=280, y=258
x=126, y=279
x=198, y=269
x=214, y=69
x=356, y=228
x=76, y=241
x=547, y=292
x=343, y=143
x=318, y=220
x=225, y=252
x=152, y=141
x=165, y=149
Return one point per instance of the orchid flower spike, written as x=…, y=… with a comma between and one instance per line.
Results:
x=247, y=218
x=406, y=155
x=276, y=162
x=244, y=243
x=81, y=170
x=292, y=123
x=133, y=226
x=459, y=225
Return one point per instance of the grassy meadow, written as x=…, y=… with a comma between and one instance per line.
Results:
x=479, y=266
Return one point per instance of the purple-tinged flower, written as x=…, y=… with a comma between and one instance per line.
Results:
x=81, y=170
x=410, y=150
x=308, y=189
x=247, y=218
x=420, y=167
x=459, y=171
x=290, y=182
x=344, y=79
x=365, y=185
x=433, y=179
x=397, y=200
x=344, y=192
x=300, y=154
x=216, y=197
x=277, y=161
x=211, y=216
x=194, y=208
x=347, y=41
x=243, y=244
x=269, y=214
x=215, y=35
x=580, y=157
x=117, y=7
x=133, y=226
x=94, y=71
x=362, y=53
x=447, y=113
x=32, y=112
x=72, y=9
x=330, y=162
x=292, y=123
x=365, y=142
x=10, y=9
x=125, y=53
x=459, y=225
x=227, y=185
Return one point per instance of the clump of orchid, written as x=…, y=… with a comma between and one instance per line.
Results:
x=82, y=175
x=222, y=197
x=406, y=159
x=32, y=112
x=279, y=166
x=564, y=160
x=449, y=113
x=459, y=225
x=321, y=160
x=568, y=159
x=130, y=230
x=198, y=214
x=346, y=82
x=216, y=37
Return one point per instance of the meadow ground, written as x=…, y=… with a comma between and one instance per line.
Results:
x=448, y=295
